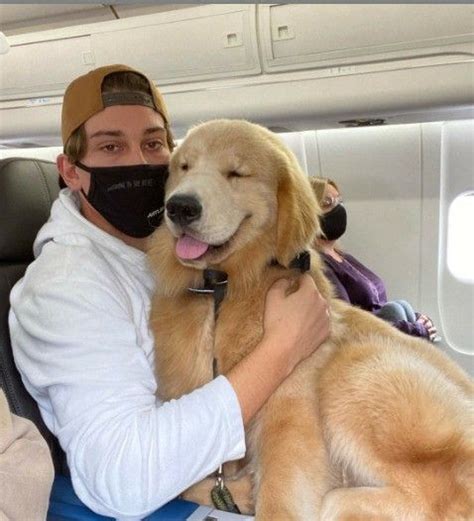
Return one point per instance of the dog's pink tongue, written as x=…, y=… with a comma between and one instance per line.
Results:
x=189, y=248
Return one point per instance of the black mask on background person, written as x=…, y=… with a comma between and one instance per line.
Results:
x=334, y=223
x=126, y=195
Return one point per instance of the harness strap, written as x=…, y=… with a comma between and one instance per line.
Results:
x=216, y=281
x=215, y=284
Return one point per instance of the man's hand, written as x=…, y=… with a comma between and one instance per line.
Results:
x=296, y=322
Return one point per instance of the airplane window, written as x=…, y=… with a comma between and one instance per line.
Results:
x=460, y=250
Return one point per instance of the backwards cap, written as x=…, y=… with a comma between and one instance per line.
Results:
x=84, y=98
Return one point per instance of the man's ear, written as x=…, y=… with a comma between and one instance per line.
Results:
x=68, y=172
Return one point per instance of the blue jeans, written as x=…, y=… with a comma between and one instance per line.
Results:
x=396, y=310
x=66, y=506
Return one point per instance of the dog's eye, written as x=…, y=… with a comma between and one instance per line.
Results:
x=234, y=173
x=184, y=166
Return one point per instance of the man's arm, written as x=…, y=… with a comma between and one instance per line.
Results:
x=78, y=351
x=128, y=453
x=294, y=326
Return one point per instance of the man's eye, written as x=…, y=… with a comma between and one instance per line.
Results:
x=110, y=148
x=154, y=145
x=234, y=173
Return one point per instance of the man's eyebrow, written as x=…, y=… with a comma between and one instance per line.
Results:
x=119, y=133
x=152, y=130
x=108, y=133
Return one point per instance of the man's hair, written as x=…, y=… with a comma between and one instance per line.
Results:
x=76, y=146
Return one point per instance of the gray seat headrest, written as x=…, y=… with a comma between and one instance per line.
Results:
x=27, y=189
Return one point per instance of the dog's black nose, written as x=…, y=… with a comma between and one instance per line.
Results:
x=183, y=209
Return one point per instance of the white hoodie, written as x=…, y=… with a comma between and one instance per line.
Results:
x=80, y=337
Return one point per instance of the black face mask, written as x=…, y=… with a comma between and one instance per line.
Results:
x=334, y=223
x=126, y=195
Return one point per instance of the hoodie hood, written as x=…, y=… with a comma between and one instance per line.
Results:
x=66, y=225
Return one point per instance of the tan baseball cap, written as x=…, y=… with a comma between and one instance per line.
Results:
x=84, y=98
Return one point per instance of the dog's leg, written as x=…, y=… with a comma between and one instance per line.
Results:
x=392, y=504
x=368, y=504
x=292, y=469
x=394, y=420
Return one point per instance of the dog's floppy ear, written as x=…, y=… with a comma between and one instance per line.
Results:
x=298, y=211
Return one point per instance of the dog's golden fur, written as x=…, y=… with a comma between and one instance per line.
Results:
x=375, y=424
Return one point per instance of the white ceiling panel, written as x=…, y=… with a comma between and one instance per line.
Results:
x=24, y=18
x=15, y=13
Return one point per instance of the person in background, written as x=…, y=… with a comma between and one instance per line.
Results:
x=26, y=468
x=354, y=282
x=79, y=318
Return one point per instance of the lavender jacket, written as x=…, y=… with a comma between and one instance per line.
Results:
x=359, y=286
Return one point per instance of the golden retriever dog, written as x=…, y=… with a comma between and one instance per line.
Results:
x=375, y=425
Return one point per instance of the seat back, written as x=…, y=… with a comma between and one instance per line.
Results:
x=28, y=187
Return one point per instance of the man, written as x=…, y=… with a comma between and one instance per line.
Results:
x=79, y=317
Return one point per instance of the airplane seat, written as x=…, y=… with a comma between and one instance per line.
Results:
x=27, y=189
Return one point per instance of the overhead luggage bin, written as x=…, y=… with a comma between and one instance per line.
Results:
x=202, y=43
x=40, y=68
x=297, y=66
x=353, y=39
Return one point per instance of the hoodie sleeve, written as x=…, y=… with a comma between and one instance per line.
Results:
x=76, y=347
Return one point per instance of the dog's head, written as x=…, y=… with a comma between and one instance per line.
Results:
x=237, y=196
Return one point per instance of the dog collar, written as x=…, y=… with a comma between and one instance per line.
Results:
x=301, y=262
x=215, y=283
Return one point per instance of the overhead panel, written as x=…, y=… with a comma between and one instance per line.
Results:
x=39, y=68
x=303, y=36
x=209, y=42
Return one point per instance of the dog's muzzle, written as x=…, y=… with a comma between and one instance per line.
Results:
x=183, y=209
